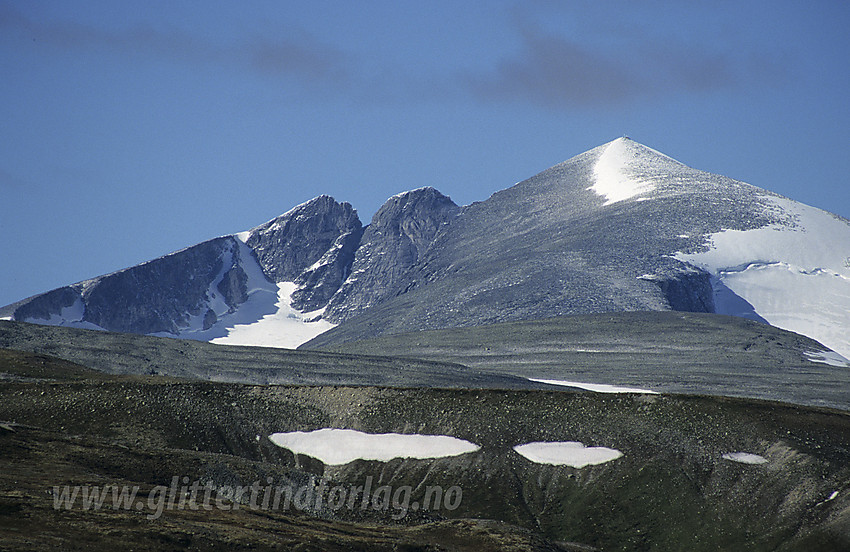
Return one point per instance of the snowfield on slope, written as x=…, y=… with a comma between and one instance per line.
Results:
x=340, y=446
x=284, y=327
x=595, y=387
x=566, y=453
x=794, y=277
x=266, y=319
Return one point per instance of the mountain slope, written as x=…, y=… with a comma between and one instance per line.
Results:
x=621, y=227
x=120, y=353
x=214, y=290
x=618, y=228
x=663, y=352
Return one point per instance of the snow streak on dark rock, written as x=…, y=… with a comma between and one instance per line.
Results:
x=291, y=243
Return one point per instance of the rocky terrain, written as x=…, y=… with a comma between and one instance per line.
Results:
x=673, y=487
x=117, y=353
x=668, y=352
x=88, y=429
x=569, y=334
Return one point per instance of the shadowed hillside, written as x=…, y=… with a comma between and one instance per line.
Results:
x=671, y=488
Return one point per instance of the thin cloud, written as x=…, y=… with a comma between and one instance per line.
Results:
x=305, y=58
x=558, y=72
x=299, y=57
x=554, y=71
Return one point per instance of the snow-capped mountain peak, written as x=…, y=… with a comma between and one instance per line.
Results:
x=621, y=227
x=617, y=172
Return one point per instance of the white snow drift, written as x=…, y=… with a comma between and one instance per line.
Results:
x=596, y=387
x=566, y=453
x=827, y=357
x=614, y=172
x=284, y=327
x=266, y=319
x=795, y=277
x=341, y=446
x=745, y=458
x=71, y=317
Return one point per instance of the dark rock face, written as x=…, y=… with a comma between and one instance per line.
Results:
x=400, y=233
x=686, y=289
x=44, y=305
x=233, y=286
x=317, y=284
x=288, y=245
x=156, y=296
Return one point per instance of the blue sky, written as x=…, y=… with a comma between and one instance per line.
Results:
x=130, y=130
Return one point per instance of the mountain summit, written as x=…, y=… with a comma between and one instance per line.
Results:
x=621, y=227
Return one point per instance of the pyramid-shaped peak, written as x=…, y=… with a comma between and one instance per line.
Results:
x=627, y=147
x=623, y=169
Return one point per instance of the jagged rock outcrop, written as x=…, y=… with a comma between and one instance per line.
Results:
x=401, y=232
x=288, y=245
x=318, y=283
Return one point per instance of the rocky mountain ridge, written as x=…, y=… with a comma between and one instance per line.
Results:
x=621, y=227
x=316, y=245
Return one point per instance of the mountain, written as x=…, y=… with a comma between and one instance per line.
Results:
x=621, y=227
x=625, y=228
x=233, y=288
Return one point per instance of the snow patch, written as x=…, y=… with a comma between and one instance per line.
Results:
x=243, y=236
x=70, y=317
x=597, y=387
x=285, y=327
x=612, y=173
x=745, y=458
x=795, y=277
x=265, y=319
x=566, y=453
x=341, y=446
x=827, y=357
